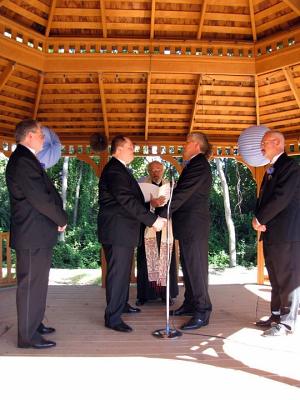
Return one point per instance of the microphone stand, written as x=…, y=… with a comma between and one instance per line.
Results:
x=167, y=332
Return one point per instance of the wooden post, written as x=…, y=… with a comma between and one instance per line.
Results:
x=258, y=176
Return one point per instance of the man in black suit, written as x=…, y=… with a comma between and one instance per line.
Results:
x=121, y=215
x=191, y=219
x=36, y=216
x=277, y=217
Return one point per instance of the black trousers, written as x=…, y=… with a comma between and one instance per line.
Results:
x=33, y=266
x=194, y=262
x=119, y=262
x=283, y=266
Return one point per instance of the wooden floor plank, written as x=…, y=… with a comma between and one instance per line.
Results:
x=231, y=342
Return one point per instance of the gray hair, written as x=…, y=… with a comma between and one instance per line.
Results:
x=205, y=146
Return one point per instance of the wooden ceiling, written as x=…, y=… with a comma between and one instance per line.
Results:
x=154, y=70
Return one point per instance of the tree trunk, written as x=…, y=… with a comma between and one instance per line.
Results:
x=65, y=172
x=76, y=202
x=229, y=221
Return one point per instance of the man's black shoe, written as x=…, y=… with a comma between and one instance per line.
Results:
x=121, y=327
x=183, y=310
x=128, y=309
x=194, y=323
x=268, y=322
x=45, y=330
x=40, y=344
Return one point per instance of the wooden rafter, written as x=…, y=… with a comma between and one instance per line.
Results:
x=2, y=2
x=103, y=104
x=50, y=17
x=257, y=101
x=289, y=77
x=103, y=18
x=38, y=95
x=201, y=22
x=4, y=77
x=294, y=5
x=147, y=105
x=152, y=19
x=252, y=17
x=195, y=104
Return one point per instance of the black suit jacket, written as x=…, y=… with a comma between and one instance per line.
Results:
x=278, y=205
x=190, y=203
x=36, y=206
x=121, y=207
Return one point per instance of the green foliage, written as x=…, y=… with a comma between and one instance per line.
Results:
x=81, y=248
x=242, y=189
x=4, y=199
x=219, y=260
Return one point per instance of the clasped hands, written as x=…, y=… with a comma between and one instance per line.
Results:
x=159, y=224
x=62, y=228
x=257, y=226
x=158, y=201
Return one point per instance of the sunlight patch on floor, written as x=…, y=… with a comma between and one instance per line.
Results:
x=130, y=377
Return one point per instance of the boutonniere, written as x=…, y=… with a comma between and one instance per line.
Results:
x=270, y=172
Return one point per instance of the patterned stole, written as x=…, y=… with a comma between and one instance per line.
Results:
x=157, y=258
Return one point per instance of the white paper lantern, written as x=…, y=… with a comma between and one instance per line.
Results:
x=51, y=151
x=249, y=145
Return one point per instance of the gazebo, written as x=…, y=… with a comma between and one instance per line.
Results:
x=151, y=69
x=154, y=70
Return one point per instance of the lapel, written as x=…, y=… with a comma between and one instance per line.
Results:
x=267, y=180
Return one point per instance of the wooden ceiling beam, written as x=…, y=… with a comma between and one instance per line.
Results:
x=38, y=95
x=289, y=77
x=201, y=22
x=158, y=64
x=50, y=17
x=199, y=86
x=294, y=5
x=4, y=77
x=257, y=101
x=252, y=17
x=103, y=104
x=103, y=18
x=284, y=58
x=152, y=25
x=147, y=105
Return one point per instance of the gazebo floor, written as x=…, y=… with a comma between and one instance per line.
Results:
x=229, y=357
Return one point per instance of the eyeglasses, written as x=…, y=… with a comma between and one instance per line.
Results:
x=267, y=141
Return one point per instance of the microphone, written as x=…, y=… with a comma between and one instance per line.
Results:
x=167, y=332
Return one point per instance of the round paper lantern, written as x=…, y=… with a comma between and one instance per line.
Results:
x=51, y=151
x=249, y=145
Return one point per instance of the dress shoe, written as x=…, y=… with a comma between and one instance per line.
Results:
x=40, y=344
x=140, y=302
x=268, y=322
x=277, y=330
x=121, y=327
x=128, y=309
x=183, y=310
x=195, y=323
x=44, y=330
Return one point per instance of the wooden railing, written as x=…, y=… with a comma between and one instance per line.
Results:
x=7, y=274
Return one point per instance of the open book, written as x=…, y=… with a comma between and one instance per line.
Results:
x=149, y=189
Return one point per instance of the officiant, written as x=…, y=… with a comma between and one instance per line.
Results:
x=148, y=289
